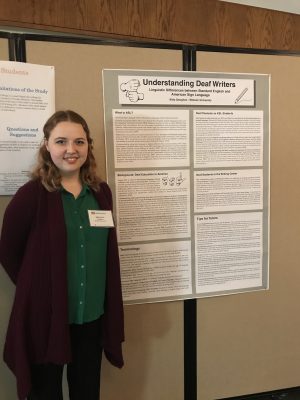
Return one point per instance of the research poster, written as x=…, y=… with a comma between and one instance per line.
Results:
x=27, y=99
x=188, y=165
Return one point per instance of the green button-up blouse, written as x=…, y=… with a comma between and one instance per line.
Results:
x=86, y=252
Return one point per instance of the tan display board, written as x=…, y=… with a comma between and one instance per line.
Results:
x=249, y=343
x=3, y=49
x=153, y=349
x=7, y=382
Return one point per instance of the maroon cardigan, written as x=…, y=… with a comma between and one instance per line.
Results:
x=33, y=251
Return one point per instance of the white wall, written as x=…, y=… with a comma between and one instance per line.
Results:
x=291, y=6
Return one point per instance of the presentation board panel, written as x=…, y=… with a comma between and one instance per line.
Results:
x=3, y=49
x=27, y=93
x=188, y=163
x=6, y=288
x=3, y=56
x=153, y=349
x=249, y=343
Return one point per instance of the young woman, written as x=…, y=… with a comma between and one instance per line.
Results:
x=68, y=302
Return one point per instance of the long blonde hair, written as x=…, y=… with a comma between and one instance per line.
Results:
x=46, y=170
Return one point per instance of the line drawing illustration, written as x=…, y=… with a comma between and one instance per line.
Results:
x=237, y=100
x=131, y=89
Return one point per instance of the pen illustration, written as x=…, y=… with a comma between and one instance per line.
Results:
x=240, y=95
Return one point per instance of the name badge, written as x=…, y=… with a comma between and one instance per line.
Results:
x=101, y=218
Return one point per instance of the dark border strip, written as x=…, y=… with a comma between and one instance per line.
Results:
x=16, y=46
x=11, y=48
x=246, y=50
x=190, y=306
x=5, y=35
x=136, y=43
x=20, y=48
x=147, y=44
x=190, y=349
x=101, y=41
x=189, y=58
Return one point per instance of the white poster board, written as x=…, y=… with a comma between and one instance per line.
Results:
x=27, y=99
x=188, y=164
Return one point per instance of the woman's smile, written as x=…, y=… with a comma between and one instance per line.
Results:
x=68, y=147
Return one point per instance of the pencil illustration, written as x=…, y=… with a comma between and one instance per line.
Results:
x=240, y=95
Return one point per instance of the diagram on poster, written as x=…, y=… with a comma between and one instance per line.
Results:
x=188, y=164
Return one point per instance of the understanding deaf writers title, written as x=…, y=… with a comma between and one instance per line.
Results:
x=189, y=83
